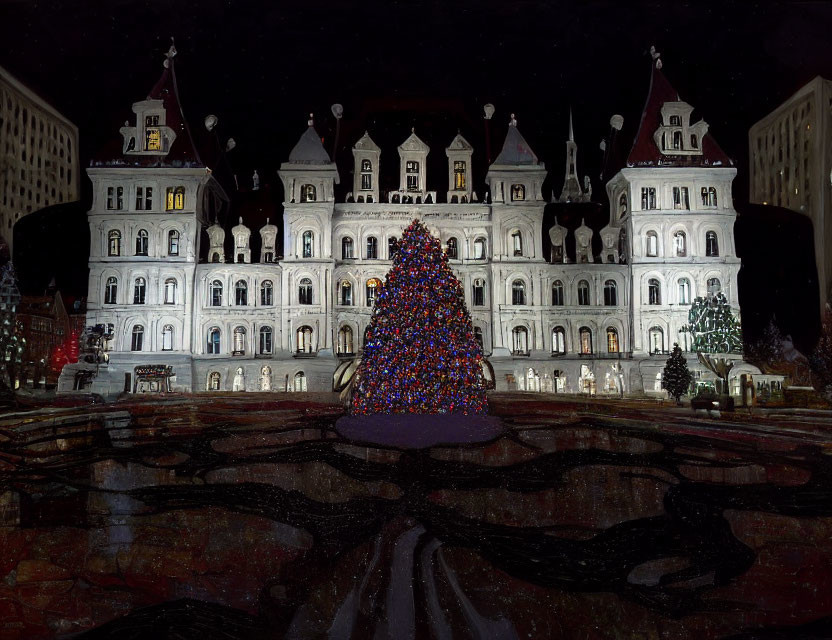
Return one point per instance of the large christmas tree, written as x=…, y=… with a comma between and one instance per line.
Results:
x=420, y=354
x=713, y=326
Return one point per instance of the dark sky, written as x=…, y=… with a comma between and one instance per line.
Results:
x=261, y=67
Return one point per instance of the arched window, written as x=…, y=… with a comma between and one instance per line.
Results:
x=518, y=292
x=139, y=290
x=557, y=293
x=137, y=338
x=347, y=249
x=265, y=340
x=585, y=335
x=680, y=244
x=656, y=340
x=714, y=286
x=684, y=290
x=583, y=292
x=214, y=381
x=305, y=291
x=478, y=337
x=167, y=338
x=452, y=250
x=479, y=249
x=711, y=244
x=392, y=247
x=239, y=342
x=345, y=346
x=372, y=248
x=518, y=192
x=654, y=295
x=558, y=340
x=214, y=340
x=517, y=243
x=114, y=246
x=622, y=204
x=346, y=293
x=308, y=193
x=304, y=340
x=111, y=291
x=677, y=140
x=266, y=293
x=366, y=175
x=300, y=382
x=308, y=237
x=708, y=196
x=241, y=293
x=266, y=378
x=215, y=293
x=239, y=383
x=141, y=243
x=373, y=285
x=612, y=340
x=478, y=292
x=170, y=291
x=610, y=293
x=652, y=244
x=173, y=242
x=520, y=340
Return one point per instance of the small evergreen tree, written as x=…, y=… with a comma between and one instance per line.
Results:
x=676, y=377
x=11, y=342
x=821, y=358
x=420, y=354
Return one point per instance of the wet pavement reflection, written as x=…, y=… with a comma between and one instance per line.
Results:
x=251, y=518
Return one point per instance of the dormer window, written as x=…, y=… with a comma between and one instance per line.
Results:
x=676, y=135
x=675, y=121
x=518, y=192
x=152, y=134
x=459, y=175
x=308, y=193
x=366, y=175
x=412, y=174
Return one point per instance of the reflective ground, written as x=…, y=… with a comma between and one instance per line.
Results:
x=249, y=517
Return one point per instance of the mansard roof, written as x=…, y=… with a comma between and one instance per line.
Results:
x=309, y=149
x=645, y=152
x=516, y=151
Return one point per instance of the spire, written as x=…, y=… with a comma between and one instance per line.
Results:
x=309, y=148
x=571, y=133
x=515, y=151
x=571, y=191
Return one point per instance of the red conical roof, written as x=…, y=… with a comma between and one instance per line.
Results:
x=646, y=153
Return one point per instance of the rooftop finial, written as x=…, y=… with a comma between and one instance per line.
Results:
x=571, y=134
x=412, y=129
x=311, y=120
x=169, y=55
x=656, y=56
x=513, y=121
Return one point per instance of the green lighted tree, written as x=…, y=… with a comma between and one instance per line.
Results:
x=713, y=327
x=676, y=377
x=11, y=343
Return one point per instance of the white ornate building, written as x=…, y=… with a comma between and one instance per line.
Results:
x=242, y=320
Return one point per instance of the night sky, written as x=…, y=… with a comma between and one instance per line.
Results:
x=262, y=67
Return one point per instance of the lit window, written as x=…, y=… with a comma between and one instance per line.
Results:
x=173, y=242
x=653, y=292
x=680, y=244
x=711, y=244
x=139, y=289
x=137, y=338
x=152, y=134
x=305, y=291
x=266, y=293
x=412, y=175
x=239, y=341
x=585, y=335
x=215, y=293
x=479, y=292
x=557, y=293
x=167, y=338
x=304, y=340
x=459, y=175
x=307, y=244
x=347, y=249
x=520, y=340
x=517, y=243
x=373, y=285
x=345, y=346
x=652, y=244
x=583, y=292
x=241, y=293
x=452, y=248
x=308, y=193
x=265, y=340
x=518, y=292
x=610, y=293
x=346, y=294
x=214, y=341
x=479, y=249
x=141, y=243
x=558, y=340
x=111, y=291
x=708, y=196
x=684, y=291
x=518, y=192
x=372, y=248
x=114, y=244
x=366, y=175
x=170, y=291
x=612, y=340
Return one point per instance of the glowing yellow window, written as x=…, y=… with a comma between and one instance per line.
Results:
x=175, y=198
x=459, y=175
x=153, y=140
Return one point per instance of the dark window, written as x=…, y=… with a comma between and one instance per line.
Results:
x=610, y=293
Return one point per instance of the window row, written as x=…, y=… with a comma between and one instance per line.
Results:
x=239, y=381
x=680, y=198
x=238, y=341
x=371, y=252
x=683, y=288
x=140, y=291
x=137, y=338
x=680, y=244
x=518, y=293
x=142, y=242
x=520, y=341
x=174, y=198
x=215, y=293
